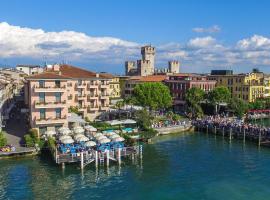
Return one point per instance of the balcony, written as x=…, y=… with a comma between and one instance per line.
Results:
x=61, y=120
x=80, y=96
x=92, y=85
x=49, y=89
x=82, y=86
x=104, y=95
x=61, y=104
x=82, y=108
x=92, y=108
x=92, y=96
x=105, y=86
x=104, y=107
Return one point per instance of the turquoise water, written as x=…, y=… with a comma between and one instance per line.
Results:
x=189, y=166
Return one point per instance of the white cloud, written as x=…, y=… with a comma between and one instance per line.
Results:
x=202, y=42
x=212, y=29
x=17, y=41
x=200, y=53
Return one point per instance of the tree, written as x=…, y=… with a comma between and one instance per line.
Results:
x=153, y=95
x=193, y=97
x=238, y=106
x=258, y=104
x=218, y=96
x=144, y=119
x=3, y=139
x=119, y=105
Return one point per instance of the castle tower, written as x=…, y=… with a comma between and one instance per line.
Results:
x=144, y=68
x=130, y=67
x=174, y=66
x=148, y=54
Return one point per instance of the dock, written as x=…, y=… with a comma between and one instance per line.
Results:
x=85, y=158
x=259, y=135
x=20, y=151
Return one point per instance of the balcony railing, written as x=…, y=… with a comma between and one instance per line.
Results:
x=50, y=89
x=92, y=107
x=92, y=85
x=80, y=85
x=51, y=120
x=55, y=104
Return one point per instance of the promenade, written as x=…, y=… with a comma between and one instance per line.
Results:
x=234, y=128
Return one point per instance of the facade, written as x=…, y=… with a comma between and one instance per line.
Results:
x=11, y=84
x=146, y=66
x=51, y=94
x=180, y=83
x=30, y=69
x=248, y=86
x=131, y=83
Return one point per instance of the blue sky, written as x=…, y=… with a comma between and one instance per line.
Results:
x=202, y=35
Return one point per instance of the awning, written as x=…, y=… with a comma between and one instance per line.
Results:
x=114, y=122
x=129, y=121
x=74, y=118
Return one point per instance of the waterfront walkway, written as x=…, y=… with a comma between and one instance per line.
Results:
x=234, y=129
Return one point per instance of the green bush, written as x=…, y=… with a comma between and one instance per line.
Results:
x=128, y=140
x=29, y=141
x=51, y=143
x=149, y=133
x=3, y=139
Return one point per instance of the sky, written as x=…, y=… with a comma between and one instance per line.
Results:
x=101, y=35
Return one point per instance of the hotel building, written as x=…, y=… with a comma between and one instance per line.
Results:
x=180, y=83
x=51, y=94
x=248, y=87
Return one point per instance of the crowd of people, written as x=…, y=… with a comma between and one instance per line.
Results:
x=168, y=123
x=232, y=123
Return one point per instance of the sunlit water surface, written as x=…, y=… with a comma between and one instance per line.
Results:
x=184, y=166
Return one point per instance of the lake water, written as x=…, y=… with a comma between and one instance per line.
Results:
x=188, y=166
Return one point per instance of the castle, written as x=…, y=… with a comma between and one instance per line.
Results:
x=146, y=66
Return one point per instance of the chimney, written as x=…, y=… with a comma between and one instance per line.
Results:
x=97, y=75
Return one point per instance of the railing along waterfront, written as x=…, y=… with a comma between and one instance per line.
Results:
x=232, y=130
x=99, y=157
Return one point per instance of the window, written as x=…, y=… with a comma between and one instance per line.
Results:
x=41, y=83
x=42, y=113
x=42, y=130
x=57, y=113
x=57, y=84
x=58, y=97
x=42, y=97
x=79, y=82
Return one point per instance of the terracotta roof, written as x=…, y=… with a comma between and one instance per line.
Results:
x=68, y=72
x=47, y=75
x=153, y=78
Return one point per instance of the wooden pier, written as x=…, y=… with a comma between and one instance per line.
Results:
x=97, y=157
x=259, y=136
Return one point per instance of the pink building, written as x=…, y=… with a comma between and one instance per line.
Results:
x=180, y=83
x=50, y=94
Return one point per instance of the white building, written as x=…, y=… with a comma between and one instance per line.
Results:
x=30, y=69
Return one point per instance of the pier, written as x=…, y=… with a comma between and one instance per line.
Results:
x=234, y=130
x=85, y=158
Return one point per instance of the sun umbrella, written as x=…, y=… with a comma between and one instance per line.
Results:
x=90, y=144
x=78, y=131
x=64, y=137
x=82, y=139
x=62, y=129
x=97, y=134
x=68, y=141
x=101, y=137
x=119, y=139
x=92, y=129
x=50, y=133
x=103, y=141
x=110, y=133
x=66, y=132
x=114, y=136
x=77, y=127
x=78, y=136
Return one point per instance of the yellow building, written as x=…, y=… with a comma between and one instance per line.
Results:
x=115, y=88
x=248, y=86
